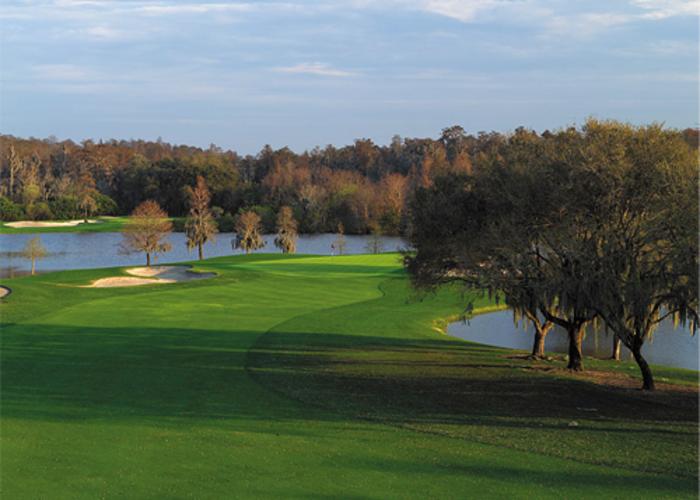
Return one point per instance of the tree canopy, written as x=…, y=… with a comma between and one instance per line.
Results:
x=580, y=228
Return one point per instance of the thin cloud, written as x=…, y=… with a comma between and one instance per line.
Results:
x=60, y=72
x=461, y=10
x=192, y=8
x=661, y=9
x=314, y=68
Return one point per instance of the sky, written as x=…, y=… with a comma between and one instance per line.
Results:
x=299, y=73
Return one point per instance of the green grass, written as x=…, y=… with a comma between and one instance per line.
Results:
x=105, y=225
x=310, y=377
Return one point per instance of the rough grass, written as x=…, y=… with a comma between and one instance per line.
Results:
x=308, y=377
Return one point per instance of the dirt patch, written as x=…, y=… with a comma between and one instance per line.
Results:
x=624, y=381
x=35, y=224
x=150, y=276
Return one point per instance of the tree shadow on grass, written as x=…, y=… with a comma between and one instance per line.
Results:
x=475, y=392
x=212, y=377
x=455, y=380
x=155, y=369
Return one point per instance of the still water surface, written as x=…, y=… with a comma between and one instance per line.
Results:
x=93, y=250
x=669, y=346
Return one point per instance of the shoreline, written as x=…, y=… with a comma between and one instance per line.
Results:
x=445, y=323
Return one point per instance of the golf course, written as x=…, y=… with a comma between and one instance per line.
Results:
x=313, y=377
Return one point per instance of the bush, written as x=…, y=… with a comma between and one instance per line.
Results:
x=65, y=208
x=179, y=224
x=217, y=212
x=9, y=210
x=105, y=205
x=268, y=217
x=39, y=211
x=225, y=223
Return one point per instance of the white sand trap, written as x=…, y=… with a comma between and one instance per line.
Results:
x=125, y=281
x=4, y=291
x=151, y=276
x=32, y=223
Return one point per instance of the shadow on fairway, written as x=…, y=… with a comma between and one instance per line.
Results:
x=452, y=388
x=54, y=370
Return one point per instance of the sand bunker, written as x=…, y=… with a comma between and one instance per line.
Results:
x=151, y=276
x=31, y=223
x=4, y=291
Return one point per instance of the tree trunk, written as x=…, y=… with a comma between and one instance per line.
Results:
x=540, y=336
x=148, y=259
x=538, y=347
x=648, y=384
x=201, y=254
x=617, y=345
x=33, y=266
x=575, y=353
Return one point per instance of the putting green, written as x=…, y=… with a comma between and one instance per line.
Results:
x=304, y=377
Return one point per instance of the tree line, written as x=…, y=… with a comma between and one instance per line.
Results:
x=363, y=186
x=584, y=228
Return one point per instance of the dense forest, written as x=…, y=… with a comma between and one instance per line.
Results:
x=364, y=186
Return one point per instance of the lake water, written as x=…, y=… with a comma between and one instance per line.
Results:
x=93, y=250
x=669, y=346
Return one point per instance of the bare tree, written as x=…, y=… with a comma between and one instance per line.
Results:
x=375, y=244
x=86, y=195
x=146, y=231
x=200, y=226
x=286, y=239
x=248, y=232
x=34, y=250
x=15, y=165
x=338, y=245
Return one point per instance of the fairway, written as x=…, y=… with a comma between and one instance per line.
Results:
x=311, y=377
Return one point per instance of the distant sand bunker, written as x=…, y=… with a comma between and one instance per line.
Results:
x=31, y=223
x=151, y=276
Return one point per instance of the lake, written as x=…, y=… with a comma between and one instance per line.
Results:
x=93, y=250
x=669, y=346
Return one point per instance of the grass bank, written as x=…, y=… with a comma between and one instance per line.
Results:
x=305, y=376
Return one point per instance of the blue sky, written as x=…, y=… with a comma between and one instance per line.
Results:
x=302, y=73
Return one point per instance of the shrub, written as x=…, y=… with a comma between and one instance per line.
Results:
x=65, y=207
x=39, y=211
x=105, y=205
x=9, y=210
x=226, y=223
x=179, y=224
x=268, y=218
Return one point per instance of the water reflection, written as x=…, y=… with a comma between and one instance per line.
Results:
x=669, y=346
